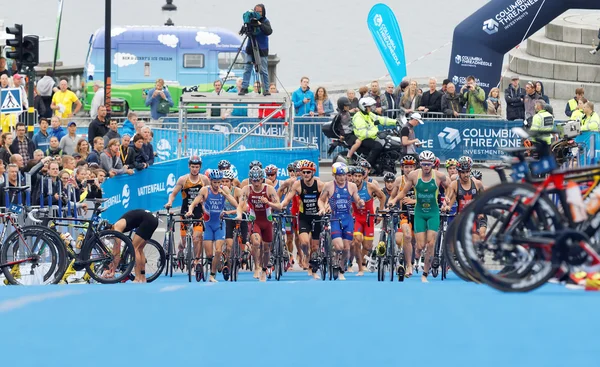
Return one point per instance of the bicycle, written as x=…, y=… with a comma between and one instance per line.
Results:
x=185, y=261
x=155, y=257
x=387, y=253
x=101, y=250
x=439, y=260
x=236, y=254
x=322, y=258
x=171, y=259
x=280, y=254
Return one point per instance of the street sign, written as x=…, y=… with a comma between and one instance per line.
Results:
x=10, y=100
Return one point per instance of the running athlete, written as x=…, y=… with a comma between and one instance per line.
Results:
x=291, y=226
x=308, y=189
x=258, y=198
x=367, y=166
x=464, y=190
x=293, y=209
x=190, y=185
x=144, y=224
x=336, y=197
x=245, y=182
x=389, y=180
x=225, y=165
x=213, y=198
x=231, y=211
x=363, y=231
x=451, y=168
x=426, y=182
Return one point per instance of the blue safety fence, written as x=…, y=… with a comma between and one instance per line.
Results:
x=150, y=188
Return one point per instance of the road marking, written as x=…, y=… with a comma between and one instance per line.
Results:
x=13, y=304
x=172, y=288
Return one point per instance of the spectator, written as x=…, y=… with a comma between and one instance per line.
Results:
x=138, y=127
x=351, y=94
x=265, y=111
x=375, y=93
x=362, y=92
x=591, y=120
x=99, y=126
x=38, y=103
x=18, y=83
x=41, y=139
x=494, y=107
x=514, y=96
x=56, y=128
x=54, y=148
x=445, y=85
x=81, y=174
x=17, y=159
x=101, y=175
x=147, y=134
x=409, y=141
x=411, y=99
x=130, y=123
x=38, y=155
x=155, y=99
x=5, y=81
x=111, y=162
x=238, y=110
x=125, y=150
x=93, y=186
x=6, y=141
x=420, y=91
x=83, y=149
x=3, y=69
x=78, y=161
x=261, y=35
x=539, y=89
x=63, y=100
x=94, y=156
x=474, y=97
x=578, y=113
x=68, y=163
x=22, y=145
x=529, y=101
x=98, y=99
x=390, y=101
x=140, y=158
x=14, y=180
x=304, y=99
x=112, y=132
x=431, y=101
x=217, y=112
x=402, y=88
x=451, y=101
x=572, y=103
x=323, y=106
x=69, y=142
x=46, y=88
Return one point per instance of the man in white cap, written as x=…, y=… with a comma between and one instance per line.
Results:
x=409, y=142
x=98, y=99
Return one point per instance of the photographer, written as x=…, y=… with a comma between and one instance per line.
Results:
x=474, y=96
x=258, y=28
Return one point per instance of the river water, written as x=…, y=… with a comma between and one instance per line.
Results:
x=327, y=41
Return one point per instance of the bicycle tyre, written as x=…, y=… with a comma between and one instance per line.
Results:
x=127, y=253
x=161, y=264
x=391, y=253
x=380, y=270
x=189, y=258
x=60, y=245
x=452, y=253
x=544, y=209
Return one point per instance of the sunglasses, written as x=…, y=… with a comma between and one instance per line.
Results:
x=256, y=180
x=307, y=172
x=272, y=174
x=426, y=164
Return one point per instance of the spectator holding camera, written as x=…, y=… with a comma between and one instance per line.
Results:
x=110, y=161
x=474, y=95
x=258, y=30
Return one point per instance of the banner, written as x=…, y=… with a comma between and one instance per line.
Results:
x=588, y=139
x=387, y=36
x=481, y=40
x=58, y=22
x=149, y=189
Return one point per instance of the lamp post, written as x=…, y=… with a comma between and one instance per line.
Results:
x=169, y=10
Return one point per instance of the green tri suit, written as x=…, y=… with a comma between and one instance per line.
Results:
x=427, y=211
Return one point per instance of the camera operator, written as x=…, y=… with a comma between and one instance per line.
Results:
x=258, y=30
x=474, y=96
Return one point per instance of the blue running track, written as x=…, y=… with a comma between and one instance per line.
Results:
x=297, y=322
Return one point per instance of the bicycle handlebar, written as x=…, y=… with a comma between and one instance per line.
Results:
x=324, y=219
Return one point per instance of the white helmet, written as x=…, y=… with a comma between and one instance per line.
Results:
x=367, y=102
x=427, y=156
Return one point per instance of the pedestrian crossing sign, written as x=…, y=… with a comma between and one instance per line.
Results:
x=10, y=99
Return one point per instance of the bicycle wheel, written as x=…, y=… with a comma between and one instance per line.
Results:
x=380, y=269
x=32, y=258
x=278, y=255
x=155, y=260
x=100, y=253
x=521, y=236
x=452, y=252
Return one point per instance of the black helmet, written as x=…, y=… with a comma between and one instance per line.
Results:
x=343, y=102
x=255, y=164
x=389, y=177
x=224, y=164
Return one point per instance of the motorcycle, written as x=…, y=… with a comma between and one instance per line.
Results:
x=386, y=162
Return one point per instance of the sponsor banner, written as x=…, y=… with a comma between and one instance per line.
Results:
x=387, y=36
x=589, y=139
x=150, y=188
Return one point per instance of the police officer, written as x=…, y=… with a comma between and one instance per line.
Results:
x=542, y=121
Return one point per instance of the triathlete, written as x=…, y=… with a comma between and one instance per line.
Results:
x=367, y=166
x=336, y=198
x=363, y=231
x=451, y=168
x=258, y=198
x=213, y=198
x=406, y=220
x=253, y=164
x=225, y=165
x=308, y=189
x=190, y=186
x=426, y=182
x=293, y=209
x=231, y=211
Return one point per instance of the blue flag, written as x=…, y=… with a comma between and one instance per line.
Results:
x=388, y=38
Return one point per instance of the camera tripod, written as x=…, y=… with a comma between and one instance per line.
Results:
x=256, y=58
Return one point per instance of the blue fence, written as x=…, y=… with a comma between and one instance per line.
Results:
x=150, y=188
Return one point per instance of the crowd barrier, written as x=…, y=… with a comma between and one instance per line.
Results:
x=587, y=140
x=150, y=188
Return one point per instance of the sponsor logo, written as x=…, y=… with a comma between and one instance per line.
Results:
x=171, y=182
x=126, y=195
x=471, y=61
x=490, y=26
x=163, y=149
x=457, y=59
x=449, y=138
x=377, y=20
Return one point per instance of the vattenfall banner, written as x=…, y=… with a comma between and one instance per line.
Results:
x=149, y=189
x=388, y=38
x=481, y=41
